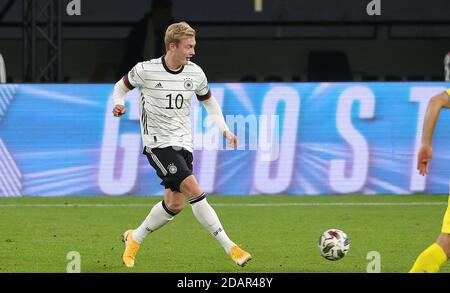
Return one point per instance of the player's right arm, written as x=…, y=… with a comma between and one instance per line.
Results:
x=435, y=105
x=128, y=82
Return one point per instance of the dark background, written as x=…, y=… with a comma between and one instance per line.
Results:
x=289, y=40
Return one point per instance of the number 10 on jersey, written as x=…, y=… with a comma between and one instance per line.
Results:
x=178, y=101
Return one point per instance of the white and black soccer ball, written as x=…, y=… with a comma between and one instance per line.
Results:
x=333, y=244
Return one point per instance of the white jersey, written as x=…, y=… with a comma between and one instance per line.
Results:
x=166, y=100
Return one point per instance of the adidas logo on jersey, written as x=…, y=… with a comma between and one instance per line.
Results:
x=158, y=85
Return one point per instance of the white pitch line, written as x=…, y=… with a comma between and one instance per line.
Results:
x=242, y=204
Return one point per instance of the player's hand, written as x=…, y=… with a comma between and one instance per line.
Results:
x=119, y=110
x=231, y=138
x=424, y=157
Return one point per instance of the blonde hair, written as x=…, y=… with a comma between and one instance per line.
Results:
x=176, y=31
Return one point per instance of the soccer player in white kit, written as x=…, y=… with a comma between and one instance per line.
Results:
x=167, y=85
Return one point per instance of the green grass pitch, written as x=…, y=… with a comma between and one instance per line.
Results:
x=281, y=233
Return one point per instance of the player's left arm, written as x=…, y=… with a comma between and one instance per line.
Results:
x=213, y=108
x=214, y=111
x=435, y=105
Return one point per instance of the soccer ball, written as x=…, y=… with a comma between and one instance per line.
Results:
x=333, y=244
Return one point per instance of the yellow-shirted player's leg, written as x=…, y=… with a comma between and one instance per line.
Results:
x=432, y=258
x=446, y=221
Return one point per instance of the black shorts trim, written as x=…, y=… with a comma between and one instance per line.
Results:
x=157, y=162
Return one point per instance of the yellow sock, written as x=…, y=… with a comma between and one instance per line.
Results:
x=430, y=260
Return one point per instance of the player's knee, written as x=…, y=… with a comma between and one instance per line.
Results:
x=175, y=206
x=174, y=201
x=444, y=242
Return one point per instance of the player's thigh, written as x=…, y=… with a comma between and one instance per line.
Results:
x=444, y=238
x=446, y=221
x=171, y=166
x=190, y=187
